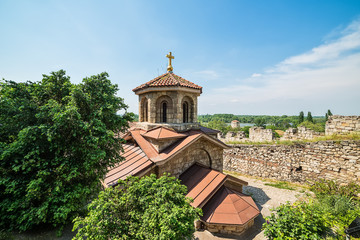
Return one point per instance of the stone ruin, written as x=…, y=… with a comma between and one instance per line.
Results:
x=300, y=133
x=337, y=124
x=232, y=136
x=259, y=134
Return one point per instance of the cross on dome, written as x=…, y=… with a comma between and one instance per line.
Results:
x=170, y=68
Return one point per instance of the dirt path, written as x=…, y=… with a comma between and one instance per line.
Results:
x=266, y=197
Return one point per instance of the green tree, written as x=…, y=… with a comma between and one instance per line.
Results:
x=301, y=117
x=140, y=208
x=219, y=125
x=329, y=113
x=309, y=117
x=260, y=122
x=57, y=140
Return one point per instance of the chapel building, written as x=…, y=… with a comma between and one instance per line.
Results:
x=168, y=139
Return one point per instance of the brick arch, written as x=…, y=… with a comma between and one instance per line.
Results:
x=187, y=109
x=164, y=109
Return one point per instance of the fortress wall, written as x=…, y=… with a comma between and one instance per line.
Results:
x=337, y=124
x=259, y=134
x=329, y=160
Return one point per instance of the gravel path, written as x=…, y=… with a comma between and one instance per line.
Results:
x=266, y=198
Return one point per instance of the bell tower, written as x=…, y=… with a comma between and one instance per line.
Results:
x=168, y=100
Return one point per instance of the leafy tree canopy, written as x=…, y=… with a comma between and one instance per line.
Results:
x=309, y=117
x=301, y=117
x=145, y=208
x=56, y=141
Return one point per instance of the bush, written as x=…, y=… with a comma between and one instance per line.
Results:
x=140, y=208
x=329, y=187
x=317, y=127
x=326, y=216
x=295, y=221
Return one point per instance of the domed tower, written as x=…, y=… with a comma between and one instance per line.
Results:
x=168, y=100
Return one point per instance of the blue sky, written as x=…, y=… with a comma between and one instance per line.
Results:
x=251, y=57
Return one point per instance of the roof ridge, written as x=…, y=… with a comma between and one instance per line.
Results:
x=160, y=129
x=168, y=79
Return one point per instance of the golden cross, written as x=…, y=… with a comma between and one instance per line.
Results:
x=170, y=68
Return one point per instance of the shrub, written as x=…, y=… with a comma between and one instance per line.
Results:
x=140, y=208
x=330, y=187
x=295, y=221
x=317, y=127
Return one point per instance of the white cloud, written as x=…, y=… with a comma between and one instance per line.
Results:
x=328, y=76
x=256, y=75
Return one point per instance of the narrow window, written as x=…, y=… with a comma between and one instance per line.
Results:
x=145, y=111
x=164, y=110
x=185, y=112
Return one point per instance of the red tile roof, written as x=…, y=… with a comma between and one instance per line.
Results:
x=168, y=79
x=202, y=183
x=135, y=162
x=163, y=133
x=229, y=207
x=141, y=155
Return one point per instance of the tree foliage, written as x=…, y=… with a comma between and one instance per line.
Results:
x=317, y=127
x=309, y=117
x=325, y=217
x=140, y=208
x=301, y=117
x=295, y=221
x=56, y=141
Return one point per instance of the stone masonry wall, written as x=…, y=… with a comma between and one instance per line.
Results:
x=259, y=134
x=232, y=136
x=337, y=124
x=202, y=151
x=297, y=163
x=300, y=133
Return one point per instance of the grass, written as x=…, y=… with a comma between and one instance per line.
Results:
x=272, y=182
x=338, y=138
x=281, y=185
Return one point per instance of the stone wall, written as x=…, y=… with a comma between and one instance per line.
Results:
x=259, y=134
x=337, y=124
x=300, y=133
x=297, y=163
x=232, y=136
x=201, y=151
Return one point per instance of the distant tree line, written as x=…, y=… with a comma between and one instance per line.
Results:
x=222, y=121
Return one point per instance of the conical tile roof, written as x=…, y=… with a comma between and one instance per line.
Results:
x=228, y=206
x=168, y=79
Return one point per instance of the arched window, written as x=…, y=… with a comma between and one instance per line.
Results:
x=163, y=112
x=185, y=112
x=145, y=111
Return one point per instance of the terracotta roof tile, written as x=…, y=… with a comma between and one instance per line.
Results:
x=202, y=183
x=163, y=133
x=168, y=80
x=229, y=207
x=142, y=155
x=135, y=162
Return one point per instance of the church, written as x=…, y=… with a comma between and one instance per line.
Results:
x=169, y=139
